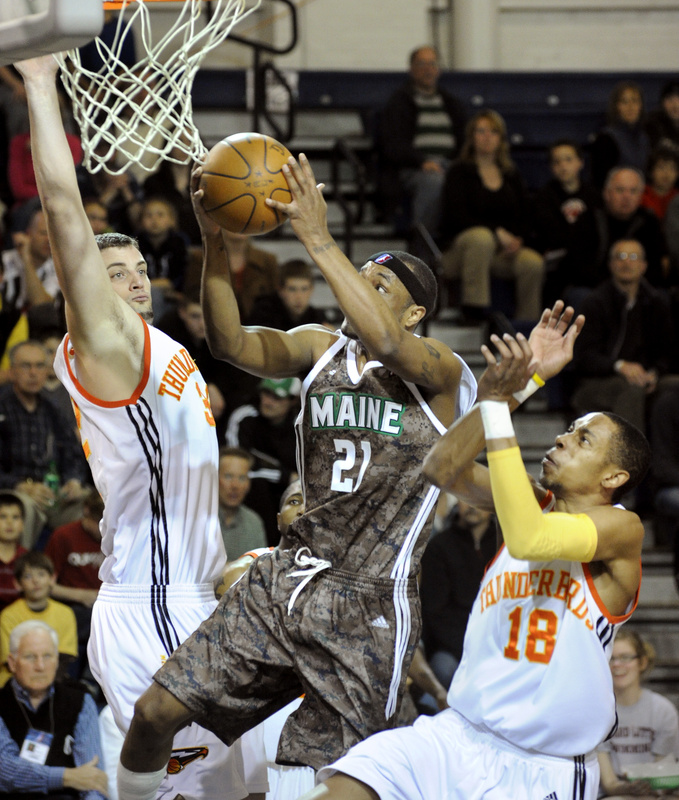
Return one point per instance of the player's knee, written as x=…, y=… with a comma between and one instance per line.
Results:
x=158, y=712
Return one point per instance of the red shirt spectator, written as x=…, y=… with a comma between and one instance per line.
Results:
x=20, y=168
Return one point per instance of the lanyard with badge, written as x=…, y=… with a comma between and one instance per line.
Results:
x=36, y=745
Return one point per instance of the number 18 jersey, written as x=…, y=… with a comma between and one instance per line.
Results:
x=535, y=667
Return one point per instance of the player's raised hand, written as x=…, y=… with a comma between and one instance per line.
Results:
x=508, y=371
x=34, y=68
x=552, y=339
x=205, y=223
x=307, y=211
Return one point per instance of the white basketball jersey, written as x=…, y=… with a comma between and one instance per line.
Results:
x=154, y=461
x=535, y=664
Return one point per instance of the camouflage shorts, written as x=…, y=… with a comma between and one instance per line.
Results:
x=251, y=658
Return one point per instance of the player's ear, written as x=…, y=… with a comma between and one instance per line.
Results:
x=615, y=478
x=414, y=315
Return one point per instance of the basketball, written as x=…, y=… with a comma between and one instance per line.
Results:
x=240, y=172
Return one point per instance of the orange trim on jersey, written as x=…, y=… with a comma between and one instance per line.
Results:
x=114, y=403
x=547, y=500
x=600, y=603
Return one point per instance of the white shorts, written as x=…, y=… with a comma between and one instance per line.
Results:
x=447, y=758
x=285, y=783
x=127, y=646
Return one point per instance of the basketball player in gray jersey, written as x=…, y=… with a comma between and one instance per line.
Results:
x=336, y=615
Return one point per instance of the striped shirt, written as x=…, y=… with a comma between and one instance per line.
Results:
x=434, y=129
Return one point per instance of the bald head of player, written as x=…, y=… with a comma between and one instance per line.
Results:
x=406, y=283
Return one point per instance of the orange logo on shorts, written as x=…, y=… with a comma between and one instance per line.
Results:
x=182, y=758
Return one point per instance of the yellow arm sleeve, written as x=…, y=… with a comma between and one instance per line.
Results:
x=528, y=533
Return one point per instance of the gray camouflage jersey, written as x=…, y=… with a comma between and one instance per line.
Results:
x=361, y=442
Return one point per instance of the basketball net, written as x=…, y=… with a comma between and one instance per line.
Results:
x=144, y=112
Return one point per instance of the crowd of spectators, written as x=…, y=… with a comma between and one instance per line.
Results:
x=603, y=234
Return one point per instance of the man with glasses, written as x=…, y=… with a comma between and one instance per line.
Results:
x=36, y=439
x=626, y=346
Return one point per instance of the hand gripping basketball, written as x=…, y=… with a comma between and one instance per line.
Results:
x=239, y=174
x=308, y=210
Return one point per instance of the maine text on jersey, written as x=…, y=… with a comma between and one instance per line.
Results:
x=542, y=582
x=362, y=411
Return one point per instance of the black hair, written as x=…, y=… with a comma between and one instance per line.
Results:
x=629, y=450
x=10, y=499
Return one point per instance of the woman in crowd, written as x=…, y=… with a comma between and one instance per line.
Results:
x=485, y=222
x=648, y=723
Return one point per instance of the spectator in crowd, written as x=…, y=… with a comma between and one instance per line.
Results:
x=29, y=277
x=565, y=225
x=452, y=567
x=623, y=142
x=623, y=217
x=485, y=223
x=172, y=181
x=242, y=528
x=75, y=551
x=11, y=528
x=626, y=346
x=20, y=168
x=118, y=191
x=34, y=573
x=228, y=386
x=663, y=171
x=164, y=249
x=49, y=734
x=662, y=124
x=290, y=305
x=36, y=441
x=268, y=432
x=421, y=130
x=664, y=435
x=648, y=723
x=254, y=272
x=13, y=103
x=54, y=389
x=97, y=213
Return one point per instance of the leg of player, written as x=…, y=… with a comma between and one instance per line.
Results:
x=158, y=715
x=341, y=787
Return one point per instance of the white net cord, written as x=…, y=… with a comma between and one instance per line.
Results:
x=144, y=112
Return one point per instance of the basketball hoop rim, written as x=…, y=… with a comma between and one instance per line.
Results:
x=116, y=5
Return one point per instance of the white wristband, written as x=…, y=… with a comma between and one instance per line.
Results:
x=497, y=421
x=529, y=389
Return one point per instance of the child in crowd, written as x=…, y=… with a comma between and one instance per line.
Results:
x=165, y=250
x=34, y=575
x=663, y=171
x=565, y=222
x=648, y=723
x=290, y=305
x=11, y=528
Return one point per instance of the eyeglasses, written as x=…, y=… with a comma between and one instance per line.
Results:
x=626, y=659
x=627, y=256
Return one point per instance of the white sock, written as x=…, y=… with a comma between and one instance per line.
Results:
x=138, y=785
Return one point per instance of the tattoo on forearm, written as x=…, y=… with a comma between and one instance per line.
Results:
x=432, y=350
x=324, y=247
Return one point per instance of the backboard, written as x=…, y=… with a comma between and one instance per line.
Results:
x=31, y=28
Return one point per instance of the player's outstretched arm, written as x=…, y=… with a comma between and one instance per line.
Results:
x=424, y=361
x=82, y=278
x=262, y=351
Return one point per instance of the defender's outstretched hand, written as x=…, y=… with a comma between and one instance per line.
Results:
x=37, y=67
x=552, y=339
x=307, y=212
x=503, y=377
